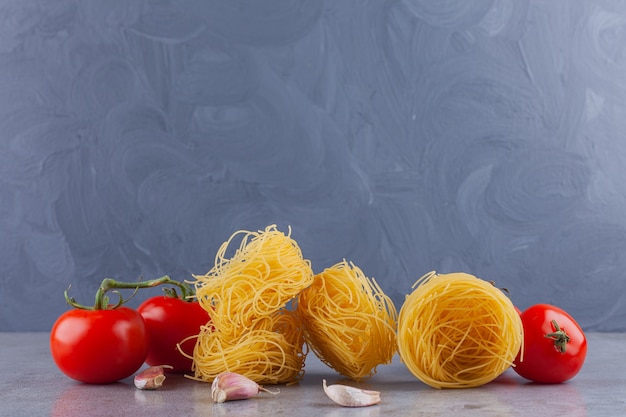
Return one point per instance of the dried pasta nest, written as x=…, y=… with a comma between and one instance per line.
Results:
x=254, y=330
x=349, y=323
x=458, y=331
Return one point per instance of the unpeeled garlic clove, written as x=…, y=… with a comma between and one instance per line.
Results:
x=347, y=396
x=151, y=378
x=230, y=386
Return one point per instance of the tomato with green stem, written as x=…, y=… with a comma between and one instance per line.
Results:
x=99, y=346
x=554, y=348
x=172, y=322
x=103, y=343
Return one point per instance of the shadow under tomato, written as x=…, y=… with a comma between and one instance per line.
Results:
x=564, y=397
x=80, y=399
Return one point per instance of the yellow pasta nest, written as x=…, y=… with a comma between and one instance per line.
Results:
x=270, y=352
x=458, y=331
x=253, y=331
x=349, y=323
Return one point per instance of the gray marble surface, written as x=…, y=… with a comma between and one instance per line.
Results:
x=31, y=385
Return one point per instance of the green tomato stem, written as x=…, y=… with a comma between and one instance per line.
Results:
x=111, y=285
x=560, y=337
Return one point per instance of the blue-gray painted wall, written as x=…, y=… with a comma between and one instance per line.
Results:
x=406, y=136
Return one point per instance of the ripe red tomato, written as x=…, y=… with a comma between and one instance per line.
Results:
x=554, y=347
x=169, y=321
x=99, y=346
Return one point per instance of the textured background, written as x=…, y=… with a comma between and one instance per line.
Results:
x=481, y=136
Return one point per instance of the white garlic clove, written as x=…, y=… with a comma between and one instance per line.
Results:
x=230, y=386
x=347, y=396
x=151, y=378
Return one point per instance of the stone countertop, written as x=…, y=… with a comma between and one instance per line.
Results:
x=31, y=385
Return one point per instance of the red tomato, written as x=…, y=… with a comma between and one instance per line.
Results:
x=169, y=321
x=99, y=346
x=554, y=348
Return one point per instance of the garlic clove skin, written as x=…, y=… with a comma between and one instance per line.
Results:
x=151, y=378
x=230, y=386
x=347, y=396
